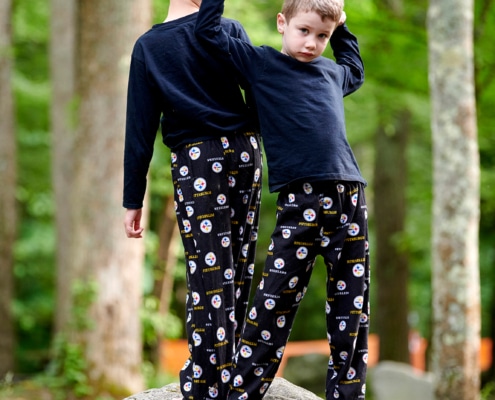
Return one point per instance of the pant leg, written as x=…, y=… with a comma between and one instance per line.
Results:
x=203, y=190
x=245, y=177
x=346, y=255
x=287, y=271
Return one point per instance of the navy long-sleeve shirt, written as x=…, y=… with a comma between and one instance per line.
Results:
x=300, y=105
x=173, y=81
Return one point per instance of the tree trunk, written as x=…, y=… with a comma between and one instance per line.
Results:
x=101, y=253
x=63, y=70
x=392, y=272
x=8, y=176
x=456, y=291
x=168, y=235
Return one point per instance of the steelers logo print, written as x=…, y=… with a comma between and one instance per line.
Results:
x=206, y=226
x=251, y=269
x=243, y=396
x=325, y=241
x=254, y=143
x=192, y=267
x=245, y=250
x=358, y=302
x=309, y=215
x=210, y=259
x=340, y=188
x=246, y=351
x=281, y=321
x=250, y=217
x=343, y=355
x=225, y=376
x=179, y=195
x=238, y=381
x=253, y=314
x=286, y=233
x=301, y=253
x=308, y=189
x=216, y=167
x=245, y=157
x=245, y=199
x=187, y=225
x=264, y=388
x=194, y=153
x=341, y=285
x=184, y=171
x=351, y=374
x=342, y=325
x=358, y=270
x=196, y=338
x=328, y=309
x=232, y=181
x=293, y=282
x=258, y=371
x=363, y=319
x=326, y=203
x=272, y=246
x=280, y=352
x=221, y=199
x=269, y=304
x=225, y=241
x=197, y=371
x=213, y=359
x=225, y=142
x=213, y=392
x=266, y=335
x=257, y=175
x=279, y=263
x=221, y=334
x=189, y=211
x=228, y=274
x=262, y=284
x=200, y=184
x=354, y=199
x=336, y=394
x=196, y=298
x=216, y=301
x=187, y=386
x=292, y=198
x=173, y=158
x=353, y=229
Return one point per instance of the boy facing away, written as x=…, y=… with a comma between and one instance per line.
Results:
x=216, y=171
x=321, y=206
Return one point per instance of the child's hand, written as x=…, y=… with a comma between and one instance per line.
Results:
x=343, y=17
x=132, y=223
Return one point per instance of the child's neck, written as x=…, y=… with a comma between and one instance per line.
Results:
x=180, y=8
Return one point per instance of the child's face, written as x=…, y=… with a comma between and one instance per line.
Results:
x=306, y=36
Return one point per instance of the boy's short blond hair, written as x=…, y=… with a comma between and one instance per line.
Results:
x=325, y=8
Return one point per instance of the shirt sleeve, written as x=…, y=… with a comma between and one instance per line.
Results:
x=346, y=52
x=245, y=58
x=142, y=122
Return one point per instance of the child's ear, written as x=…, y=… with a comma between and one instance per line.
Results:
x=280, y=23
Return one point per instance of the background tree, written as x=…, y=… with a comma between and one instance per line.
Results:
x=456, y=295
x=62, y=72
x=101, y=256
x=8, y=180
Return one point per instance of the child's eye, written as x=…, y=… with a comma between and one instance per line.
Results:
x=322, y=36
x=304, y=30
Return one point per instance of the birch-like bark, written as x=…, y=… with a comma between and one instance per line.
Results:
x=456, y=290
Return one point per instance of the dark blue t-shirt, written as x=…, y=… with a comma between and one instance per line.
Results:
x=175, y=83
x=300, y=105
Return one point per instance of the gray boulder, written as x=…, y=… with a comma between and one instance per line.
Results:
x=280, y=389
x=391, y=380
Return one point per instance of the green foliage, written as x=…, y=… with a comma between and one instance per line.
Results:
x=155, y=325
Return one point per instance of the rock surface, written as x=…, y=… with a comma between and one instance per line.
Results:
x=281, y=389
x=391, y=380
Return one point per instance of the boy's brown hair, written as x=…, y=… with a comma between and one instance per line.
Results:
x=331, y=9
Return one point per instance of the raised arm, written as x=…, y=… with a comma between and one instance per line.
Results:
x=346, y=52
